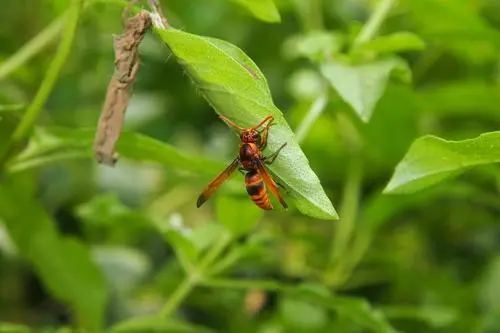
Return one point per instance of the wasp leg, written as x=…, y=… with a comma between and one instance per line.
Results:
x=270, y=159
x=268, y=118
x=263, y=138
x=242, y=170
x=265, y=133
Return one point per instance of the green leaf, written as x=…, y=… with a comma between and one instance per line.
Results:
x=105, y=209
x=264, y=10
x=302, y=316
x=185, y=249
x=396, y=42
x=462, y=27
x=13, y=328
x=123, y=266
x=155, y=324
x=207, y=234
x=254, y=247
x=235, y=87
x=314, y=45
x=461, y=97
x=238, y=215
x=180, y=237
x=489, y=292
x=435, y=316
x=64, y=265
x=49, y=142
x=450, y=19
x=431, y=159
x=11, y=108
x=398, y=110
x=362, y=85
x=356, y=309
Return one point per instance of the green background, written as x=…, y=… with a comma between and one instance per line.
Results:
x=393, y=105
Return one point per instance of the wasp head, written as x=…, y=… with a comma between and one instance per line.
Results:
x=249, y=135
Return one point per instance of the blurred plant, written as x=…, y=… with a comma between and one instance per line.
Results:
x=124, y=249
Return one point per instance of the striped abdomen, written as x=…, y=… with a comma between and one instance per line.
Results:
x=256, y=189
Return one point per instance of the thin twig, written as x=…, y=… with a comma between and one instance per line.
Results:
x=158, y=18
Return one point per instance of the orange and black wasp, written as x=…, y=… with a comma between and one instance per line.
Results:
x=251, y=162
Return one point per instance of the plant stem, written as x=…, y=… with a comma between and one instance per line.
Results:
x=310, y=118
x=351, y=193
x=348, y=209
x=31, y=48
x=177, y=296
x=50, y=78
x=40, y=41
x=242, y=284
x=194, y=277
x=316, y=14
x=310, y=14
x=372, y=26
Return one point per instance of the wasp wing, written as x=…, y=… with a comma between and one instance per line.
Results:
x=214, y=184
x=273, y=187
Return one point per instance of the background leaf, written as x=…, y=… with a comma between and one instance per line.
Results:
x=355, y=309
x=63, y=264
x=236, y=88
x=155, y=324
x=396, y=42
x=49, y=142
x=362, y=85
x=238, y=216
x=460, y=98
x=420, y=262
x=432, y=159
x=301, y=316
x=314, y=45
x=14, y=328
x=434, y=316
x=264, y=10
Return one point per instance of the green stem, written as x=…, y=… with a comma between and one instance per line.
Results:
x=50, y=78
x=33, y=47
x=310, y=118
x=372, y=26
x=194, y=277
x=243, y=284
x=348, y=209
x=316, y=14
x=310, y=13
x=40, y=41
x=177, y=296
x=351, y=193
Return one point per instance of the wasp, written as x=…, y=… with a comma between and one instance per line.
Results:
x=252, y=163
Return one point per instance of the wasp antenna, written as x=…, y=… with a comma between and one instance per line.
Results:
x=230, y=123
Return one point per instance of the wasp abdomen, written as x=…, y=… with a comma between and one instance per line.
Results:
x=256, y=189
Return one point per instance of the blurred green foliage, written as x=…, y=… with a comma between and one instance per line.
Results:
x=392, y=105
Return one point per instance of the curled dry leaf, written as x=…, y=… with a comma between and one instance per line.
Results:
x=127, y=63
